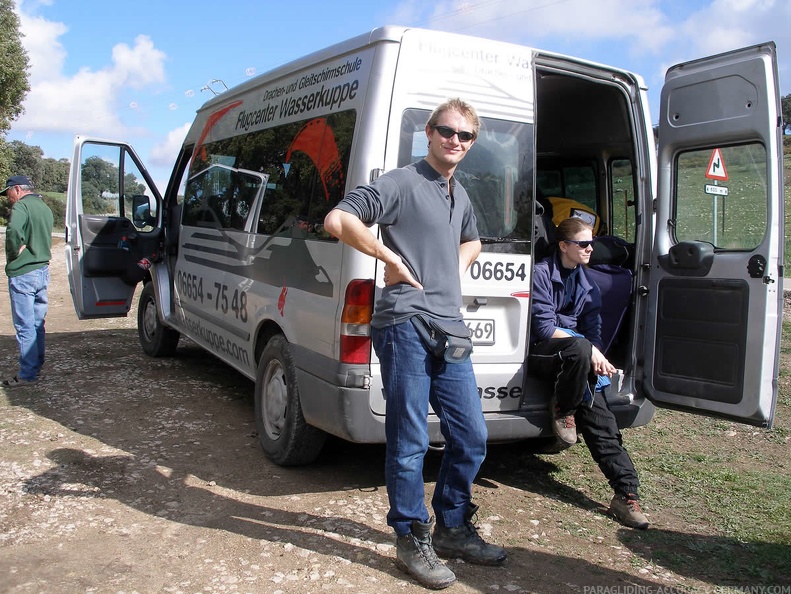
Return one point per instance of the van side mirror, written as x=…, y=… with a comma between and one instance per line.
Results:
x=144, y=211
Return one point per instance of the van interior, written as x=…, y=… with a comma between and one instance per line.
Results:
x=585, y=158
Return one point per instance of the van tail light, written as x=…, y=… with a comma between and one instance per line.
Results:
x=358, y=308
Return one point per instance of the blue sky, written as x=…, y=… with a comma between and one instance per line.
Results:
x=137, y=71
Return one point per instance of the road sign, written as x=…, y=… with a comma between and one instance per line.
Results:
x=716, y=169
x=716, y=190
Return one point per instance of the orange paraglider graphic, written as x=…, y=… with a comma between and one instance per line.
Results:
x=281, y=301
x=210, y=123
x=316, y=140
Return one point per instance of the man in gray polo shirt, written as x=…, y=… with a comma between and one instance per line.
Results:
x=429, y=238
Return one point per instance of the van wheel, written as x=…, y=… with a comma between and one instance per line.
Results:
x=287, y=440
x=157, y=340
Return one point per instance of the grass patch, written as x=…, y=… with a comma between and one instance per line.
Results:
x=787, y=187
x=718, y=493
x=785, y=343
x=57, y=196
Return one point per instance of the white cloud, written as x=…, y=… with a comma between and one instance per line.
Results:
x=140, y=65
x=89, y=100
x=729, y=24
x=639, y=22
x=651, y=32
x=725, y=25
x=45, y=52
x=164, y=154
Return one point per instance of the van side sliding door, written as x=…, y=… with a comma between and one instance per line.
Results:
x=715, y=291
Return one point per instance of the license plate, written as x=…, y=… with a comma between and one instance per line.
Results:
x=482, y=331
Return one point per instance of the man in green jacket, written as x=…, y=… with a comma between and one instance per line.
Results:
x=28, y=248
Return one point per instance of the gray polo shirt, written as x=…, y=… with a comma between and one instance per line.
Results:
x=420, y=221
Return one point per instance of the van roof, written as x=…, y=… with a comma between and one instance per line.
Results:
x=387, y=33
x=380, y=34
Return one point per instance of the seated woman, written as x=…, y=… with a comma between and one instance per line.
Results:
x=566, y=349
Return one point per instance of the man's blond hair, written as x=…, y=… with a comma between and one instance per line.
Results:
x=466, y=110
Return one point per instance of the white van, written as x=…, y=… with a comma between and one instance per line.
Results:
x=235, y=257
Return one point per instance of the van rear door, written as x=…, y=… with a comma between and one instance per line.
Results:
x=715, y=291
x=112, y=226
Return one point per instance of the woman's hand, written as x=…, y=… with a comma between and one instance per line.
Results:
x=600, y=363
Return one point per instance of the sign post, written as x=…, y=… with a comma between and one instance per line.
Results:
x=716, y=171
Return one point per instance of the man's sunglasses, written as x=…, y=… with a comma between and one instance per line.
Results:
x=447, y=132
x=584, y=244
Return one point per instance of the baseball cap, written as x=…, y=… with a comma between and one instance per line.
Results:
x=16, y=180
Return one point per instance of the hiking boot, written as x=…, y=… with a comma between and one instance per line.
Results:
x=626, y=509
x=565, y=429
x=416, y=556
x=17, y=382
x=464, y=542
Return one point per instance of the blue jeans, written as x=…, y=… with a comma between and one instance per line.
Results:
x=412, y=379
x=28, y=293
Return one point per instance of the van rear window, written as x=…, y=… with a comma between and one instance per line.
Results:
x=497, y=174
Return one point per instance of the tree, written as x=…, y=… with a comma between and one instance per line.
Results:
x=28, y=160
x=786, y=102
x=6, y=157
x=47, y=175
x=13, y=76
x=13, y=67
x=55, y=176
x=99, y=179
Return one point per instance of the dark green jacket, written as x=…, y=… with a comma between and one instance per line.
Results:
x=30, y=225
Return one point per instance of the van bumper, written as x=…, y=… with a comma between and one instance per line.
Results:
x=338, y=410
x=346, y=413
x=533, y=422
x=636, y=413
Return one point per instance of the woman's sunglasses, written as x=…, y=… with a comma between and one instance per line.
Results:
x=447, y=132
x=584, y=244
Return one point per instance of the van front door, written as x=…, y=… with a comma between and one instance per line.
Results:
x=112, y=228
x=715, y=290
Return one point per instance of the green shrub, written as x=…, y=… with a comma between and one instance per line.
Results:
x=58, y=208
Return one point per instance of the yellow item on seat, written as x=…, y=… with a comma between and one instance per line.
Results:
x=564, y=208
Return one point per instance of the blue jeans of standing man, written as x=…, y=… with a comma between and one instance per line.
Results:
x=28, y=293
x=412, y=379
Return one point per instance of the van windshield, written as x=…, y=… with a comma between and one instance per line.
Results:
x=497, y=174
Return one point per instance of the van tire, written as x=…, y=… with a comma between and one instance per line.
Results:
x=157, y=340
x=285, y=436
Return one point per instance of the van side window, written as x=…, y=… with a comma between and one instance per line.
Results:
x=721, y=196
x=221, y=197
x=622, y=199
x=577, y=182
x=306, y=163
x=570, y=188
x=110, y=181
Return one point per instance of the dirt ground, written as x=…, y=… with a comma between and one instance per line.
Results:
x=122, y=473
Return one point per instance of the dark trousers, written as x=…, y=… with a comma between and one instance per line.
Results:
x=567, y=363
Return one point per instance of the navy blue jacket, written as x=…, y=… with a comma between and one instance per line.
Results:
x=581, y=314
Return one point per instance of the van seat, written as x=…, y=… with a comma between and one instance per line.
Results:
x=615, y=286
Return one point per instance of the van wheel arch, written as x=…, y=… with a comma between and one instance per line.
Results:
x=286, y=438
x=155, y=339
x=265, y=332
